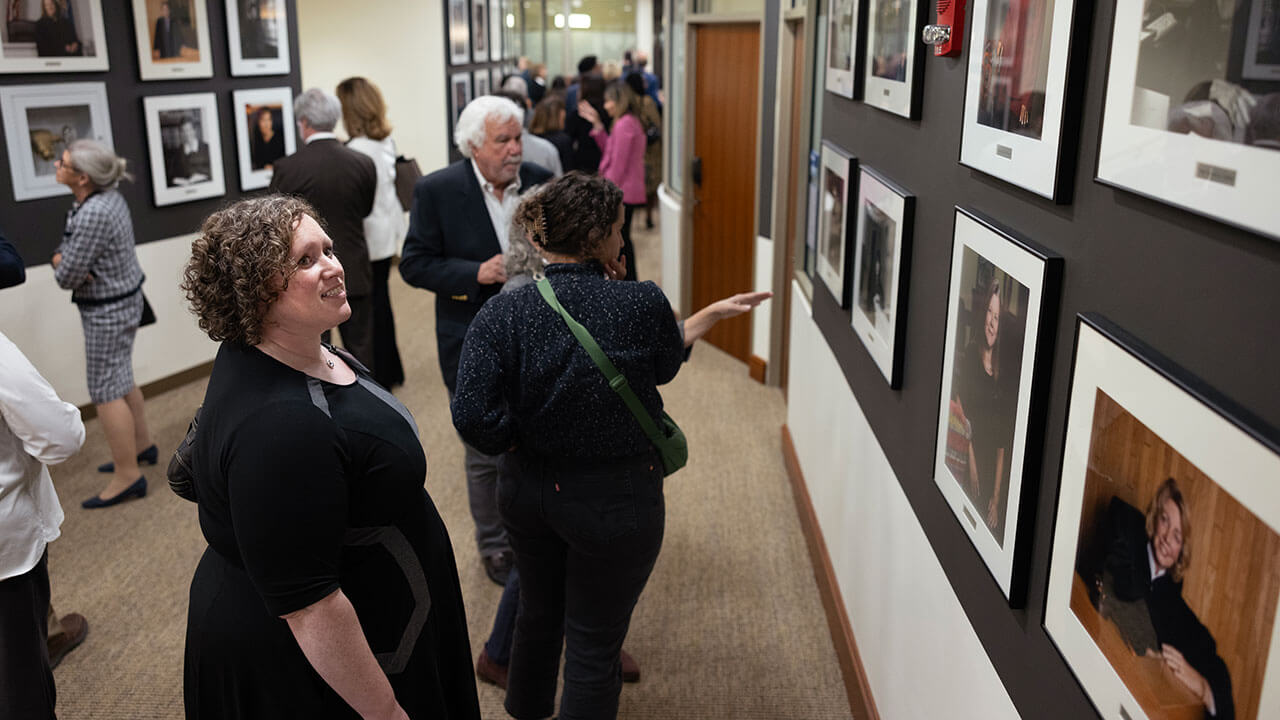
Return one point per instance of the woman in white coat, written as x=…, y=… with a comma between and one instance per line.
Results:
x=364, y=114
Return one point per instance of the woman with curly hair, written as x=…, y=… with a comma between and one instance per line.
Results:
x=581, y=495
x=329, y=587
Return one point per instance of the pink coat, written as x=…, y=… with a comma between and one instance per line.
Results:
x=623, y=161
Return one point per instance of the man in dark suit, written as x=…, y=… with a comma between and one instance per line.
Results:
x=340, y=184
x=168, y=37
x=457, y=233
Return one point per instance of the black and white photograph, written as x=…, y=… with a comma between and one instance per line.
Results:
x=1187, y=121
x=459, y=96
x=173, y=39
x=480, y=32
x=1016, y=83
x=258, y=37
x=833, y=210
x=881, y=257
x=52, y=36
x=1262, y=41
x=480, y=81
x=1162, y=580
x=264, y=132
x=495, y=75
x=892, y=50
x=184, y=146
x=459, y=33
x=842, y=37
x=40, y=122
x=1000, y=312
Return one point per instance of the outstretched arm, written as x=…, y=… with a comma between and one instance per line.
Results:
x=702, y=321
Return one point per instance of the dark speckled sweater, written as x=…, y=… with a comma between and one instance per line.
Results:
x=524, y=380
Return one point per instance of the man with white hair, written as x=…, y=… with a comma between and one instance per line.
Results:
x=340, y=184
x=457, y=234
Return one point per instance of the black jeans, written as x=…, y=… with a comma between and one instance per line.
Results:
x=628, y=249
x=26, y=681
x=586, y=536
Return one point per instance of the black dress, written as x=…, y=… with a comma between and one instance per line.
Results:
x=990, y=414
x=306, y=487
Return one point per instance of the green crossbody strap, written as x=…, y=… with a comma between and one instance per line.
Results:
x=617, y=380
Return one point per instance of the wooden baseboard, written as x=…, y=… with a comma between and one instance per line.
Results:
x=756, y=366
x=861, y=703
x=89, y=411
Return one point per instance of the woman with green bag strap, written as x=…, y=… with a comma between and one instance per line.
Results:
x=581, y=490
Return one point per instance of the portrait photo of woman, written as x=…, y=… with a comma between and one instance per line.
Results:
x=266, y=138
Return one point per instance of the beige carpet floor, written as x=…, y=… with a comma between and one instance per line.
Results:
x=730, y=626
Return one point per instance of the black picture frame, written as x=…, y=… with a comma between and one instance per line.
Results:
x=881, y=270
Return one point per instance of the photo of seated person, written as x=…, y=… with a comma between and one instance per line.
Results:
x=186, y=155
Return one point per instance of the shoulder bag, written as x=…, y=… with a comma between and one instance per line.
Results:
x=669, y=440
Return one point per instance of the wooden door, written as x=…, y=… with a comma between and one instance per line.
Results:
x=796, y=171
x=726, y=102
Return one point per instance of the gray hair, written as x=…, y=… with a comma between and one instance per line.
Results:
x=104, y=168
x=320, y=109
x=469, y=133
x=517, y=85
x=522, y=258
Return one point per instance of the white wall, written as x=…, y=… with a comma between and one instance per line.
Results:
x=763, y=280
x=910, y=630
x=397, y=44
x=673, y=281
x=39, y=318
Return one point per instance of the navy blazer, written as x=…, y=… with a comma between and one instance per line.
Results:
x=450, y=236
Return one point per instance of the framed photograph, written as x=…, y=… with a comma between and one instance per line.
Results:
x=459, y=96
x=185, y=147
x=480, y=80
x=173, y=39
x=1000, y=325
x=842, y=42
x=459, y=33
x=1262, y=42
x=891, y=71
x=1180, y=126
x=480, y=32
x=496, y=74
x=496, y=25
x=41, y=121
x=258, y=37
x=1162, y=579
x=1013, y=110
x=52, y=36
x=833, y=203
x=881, y=255
x=264, y=132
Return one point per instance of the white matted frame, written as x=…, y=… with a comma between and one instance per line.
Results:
x=891, y=69
x=1017, y=81
x=31, y=43
x=256, y=154
x=459, y=32
x=495, y=74
x=480, y=82
x=842, y=46
x=833, y=220
x=176, y=49
x=40, y=121
x=459, y=97
x=496, y=48
x=258, y=37
x=1235, y=451
x=1227, y=180
x=179, y=176
x=480, y=32
x=995, y=419
x=1262, y=61
x=881, y=255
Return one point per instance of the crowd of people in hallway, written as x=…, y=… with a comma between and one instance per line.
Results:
x=329, y=586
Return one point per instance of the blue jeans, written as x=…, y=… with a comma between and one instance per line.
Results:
x=498, y=646
x=586, y=536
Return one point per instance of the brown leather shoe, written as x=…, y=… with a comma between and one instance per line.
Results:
x=74, y=630
x=630, y=668
x=490, y=671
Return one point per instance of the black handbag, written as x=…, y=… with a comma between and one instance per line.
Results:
x=180, y=474
x=148, y=315
x=407, y=174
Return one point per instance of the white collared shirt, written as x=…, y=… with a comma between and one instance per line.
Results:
x=320, y=136
x=36, y=427
x=500, y=211
x=1156, y=570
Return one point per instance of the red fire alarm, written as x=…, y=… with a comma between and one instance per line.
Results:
x=945, y=35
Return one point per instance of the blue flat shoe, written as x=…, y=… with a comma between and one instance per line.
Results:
x=137, y=490
x=146, y=457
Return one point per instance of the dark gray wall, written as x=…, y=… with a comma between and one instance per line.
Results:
x=35, y=226
x=769, y=99
x=1203, y=294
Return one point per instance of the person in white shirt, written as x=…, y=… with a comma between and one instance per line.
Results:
x=36, y=428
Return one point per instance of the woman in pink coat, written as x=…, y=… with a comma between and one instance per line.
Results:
x=623, y=160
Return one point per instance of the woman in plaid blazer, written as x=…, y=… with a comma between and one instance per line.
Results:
x=98, y=264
